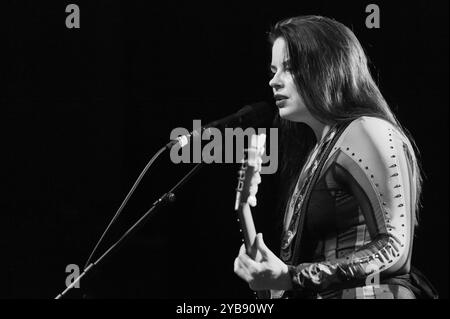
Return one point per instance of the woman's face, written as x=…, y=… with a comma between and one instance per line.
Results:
x=290, y=104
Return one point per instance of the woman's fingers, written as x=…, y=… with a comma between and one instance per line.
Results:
x=239, y=267
x=256, y=179
x=253, y=190
x=236, y=265
x=246, y=268
x=252, y=266
x=242, y=250
x=244, y=261
x=252, y=201
x=241, y=271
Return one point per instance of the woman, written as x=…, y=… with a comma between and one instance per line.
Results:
x=352, y=200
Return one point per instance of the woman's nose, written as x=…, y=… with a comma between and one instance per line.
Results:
x=275, y=82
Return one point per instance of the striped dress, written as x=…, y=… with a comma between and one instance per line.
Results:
x=359, y=225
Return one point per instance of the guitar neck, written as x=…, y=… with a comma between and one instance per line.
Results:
x=248, y=228
x=249, y=234
x=248, y=177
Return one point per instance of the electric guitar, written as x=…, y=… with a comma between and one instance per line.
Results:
x=248, y=180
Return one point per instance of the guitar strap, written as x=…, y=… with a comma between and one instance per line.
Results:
x=304, y=207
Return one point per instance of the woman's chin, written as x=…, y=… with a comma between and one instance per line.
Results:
x=287, y=114
x=282, y=112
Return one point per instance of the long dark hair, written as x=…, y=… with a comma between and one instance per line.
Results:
x=332, y=75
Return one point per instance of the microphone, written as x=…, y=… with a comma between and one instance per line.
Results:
x=255, y=114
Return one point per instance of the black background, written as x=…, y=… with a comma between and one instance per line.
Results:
x=84, y=109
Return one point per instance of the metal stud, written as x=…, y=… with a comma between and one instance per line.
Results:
x=398, y=196
x=401, y=205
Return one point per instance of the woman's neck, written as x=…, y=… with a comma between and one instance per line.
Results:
x=320, y=129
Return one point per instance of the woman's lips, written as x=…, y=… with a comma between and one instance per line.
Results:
x=281, y=102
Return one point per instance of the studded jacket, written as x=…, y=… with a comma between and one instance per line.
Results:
x=359, y=224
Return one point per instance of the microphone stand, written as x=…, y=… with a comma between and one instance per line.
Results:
x=164, y=199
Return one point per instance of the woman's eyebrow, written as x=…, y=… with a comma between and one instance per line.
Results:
x=285, y=64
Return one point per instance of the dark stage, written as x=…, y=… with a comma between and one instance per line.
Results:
x=83, y=110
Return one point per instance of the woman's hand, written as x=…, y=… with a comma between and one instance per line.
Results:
x=268, y=272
